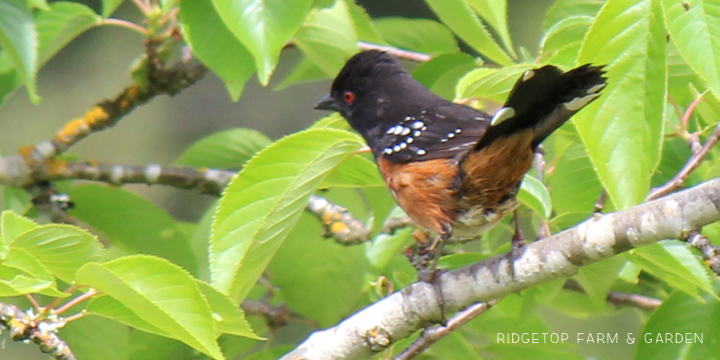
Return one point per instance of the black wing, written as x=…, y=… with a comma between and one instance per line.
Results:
x=439, y=133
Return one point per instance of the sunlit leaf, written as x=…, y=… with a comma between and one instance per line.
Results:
x=261, y=205
x=623, y=129
x=264, y=27
x=159, y=293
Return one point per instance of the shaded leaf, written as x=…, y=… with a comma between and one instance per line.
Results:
x=564, y=9
x=495, y=14
x=326, y=282
x=694, y=26
x=441, y=73
x=132, y=223
x=674, y=263
x=328, y=37
x=110, y=339
x=19, y=40
x=462, y=20
x=224, y=149
x=535, y=196
x=421, y=35
x=696, y=320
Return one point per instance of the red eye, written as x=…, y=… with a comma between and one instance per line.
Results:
x=349, y=97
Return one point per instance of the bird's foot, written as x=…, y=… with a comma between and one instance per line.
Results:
x=425, y=261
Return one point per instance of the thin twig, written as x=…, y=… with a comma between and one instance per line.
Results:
x=689, y=111
x=600, y=203
x=80, y=298
x=126, y=24
x=710, y=252
x=30, y=327
x=432, y=335
x=620, y=298
x=398, y=53
x=677, y=181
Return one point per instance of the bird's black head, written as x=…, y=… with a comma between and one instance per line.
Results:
x=364, y=87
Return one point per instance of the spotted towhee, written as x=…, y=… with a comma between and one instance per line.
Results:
x=453, y=169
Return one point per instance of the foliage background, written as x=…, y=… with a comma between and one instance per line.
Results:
x=94, y=66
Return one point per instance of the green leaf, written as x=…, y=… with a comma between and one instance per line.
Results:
x=674, y=263
x=328, y=37
x=21, y=285
x=109, y=6
x=422, y=35
x=623, y=129
x=561, y=42
x=214, y=44
x=39, y=4
x=168, y=5
x=19, y=40
x=230, y=319
x=326, y=282
x=12, y=226
x=264, y=26
x=266, y=199
x=356, y=171
x=15, y=199
x=132, y=223
x=305, y=71
x=224, y=149
x=564, y=9
x=695, y=31
x=56, y=28
x=574, y=183
x=490, y=85
x=161, y=294
x=24, y=270
x=114, y=309
x=597, y=278
x=535, y=196
x=695, y=320
x=95, y=337
x=495, y=14
x=364, y=27
x=461, y=19
x=62, y=249
x=441, y=73
x=385, y=246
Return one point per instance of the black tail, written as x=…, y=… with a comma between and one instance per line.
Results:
x=545, y=99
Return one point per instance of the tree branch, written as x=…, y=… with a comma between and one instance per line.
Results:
x=398, y=53
x=432, y=335
x=40, y=330
x=399, y=315
x=679, y=179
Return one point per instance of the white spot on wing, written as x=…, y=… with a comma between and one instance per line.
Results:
x=578, y=102
x=595, y=88
x=421, y=152
x=418, y=124
x=387, y=151
x=528, y=75
x=405, y=131
x=502, y=115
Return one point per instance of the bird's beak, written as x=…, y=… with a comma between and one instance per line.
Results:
x=327, y=103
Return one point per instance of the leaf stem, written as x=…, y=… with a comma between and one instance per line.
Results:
x=76, y=301
x=126, y=24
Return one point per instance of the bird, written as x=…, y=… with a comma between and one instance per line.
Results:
x=454, y=170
